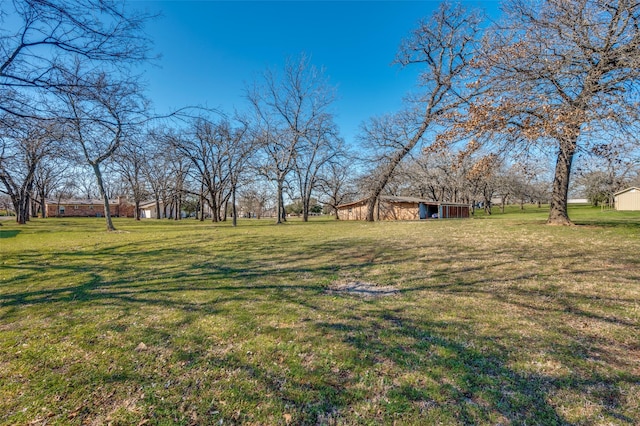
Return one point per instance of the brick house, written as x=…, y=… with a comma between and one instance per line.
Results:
x=88, y=208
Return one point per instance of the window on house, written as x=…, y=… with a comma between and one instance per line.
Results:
x=75, y=207
x=61, y=209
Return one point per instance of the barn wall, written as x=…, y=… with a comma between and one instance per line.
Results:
x=399, y=211
x=357, y=212
x=453, y=212
x=629, y=200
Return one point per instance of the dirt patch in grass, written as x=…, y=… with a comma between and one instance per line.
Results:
x=361, y=288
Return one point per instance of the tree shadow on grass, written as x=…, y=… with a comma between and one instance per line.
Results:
x=425, y=368
x=622, y=223
x=8, y=233
x=439, y=377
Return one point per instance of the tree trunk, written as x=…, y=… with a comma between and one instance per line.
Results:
x=234, y=209
x=215, y=209
x=103, y=194
x=371, y=206
x=136, y=212
x=21, y=213
x=393, y=164
x=43, y=204
x=201, y=203
x=280, y=204
x=25, y=202
x=558, y=209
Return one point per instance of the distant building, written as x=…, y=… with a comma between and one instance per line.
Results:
x=148, y=210
x=627, y=199
x=403, y=208
x=76, y=207
x=578, y=201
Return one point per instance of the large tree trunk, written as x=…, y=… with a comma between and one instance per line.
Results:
x=371, y=206
x=22, y=215
x=558, y=210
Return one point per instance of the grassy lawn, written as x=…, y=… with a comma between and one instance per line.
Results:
x=495, y=320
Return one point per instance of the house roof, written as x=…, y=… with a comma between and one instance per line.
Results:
x=79, y=201
x=630, y=189
x=146, y=204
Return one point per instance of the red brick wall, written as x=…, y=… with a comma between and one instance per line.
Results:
x=123, y=209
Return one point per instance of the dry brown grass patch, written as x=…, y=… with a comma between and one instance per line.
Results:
x=361, y=288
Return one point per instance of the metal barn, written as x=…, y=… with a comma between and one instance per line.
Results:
x=404, y=208
x=627, y=199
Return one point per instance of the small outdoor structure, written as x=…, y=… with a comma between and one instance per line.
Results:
x=148, y=210
x=627, y=199
x=403, y=208
x=76, y=207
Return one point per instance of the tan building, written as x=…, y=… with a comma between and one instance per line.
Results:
x=403, y=208
x=627, y=199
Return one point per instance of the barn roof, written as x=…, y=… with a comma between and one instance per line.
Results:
x=630, y=189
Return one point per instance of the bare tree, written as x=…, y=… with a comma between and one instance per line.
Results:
x=321, y=146
x=254, y=199
x=52, y=172
x=22, y=148
x=130, y=162
x=102, y=116
x=561, y=73
x=336, y=182
x=43, y=43
x=158, y=173
x=205, y=145
x=41, y=39
x=240, y=148
x=444, y=46
x=607, y=168
x=289, y=108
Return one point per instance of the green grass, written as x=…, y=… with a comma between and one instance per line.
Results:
x=497, y=320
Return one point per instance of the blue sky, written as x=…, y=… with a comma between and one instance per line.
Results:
x=211, y=50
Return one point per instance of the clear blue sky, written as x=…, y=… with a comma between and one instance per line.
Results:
x=212, y=49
